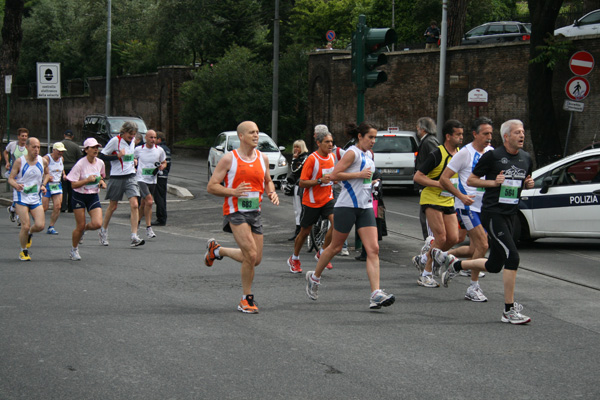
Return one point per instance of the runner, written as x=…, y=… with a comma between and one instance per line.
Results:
x=317, y=200
x=28, y=177
x=438, y=203
x=151, y=159
x=119, y=151
x=13, y=151
x=354, y=207
x=467, y=199
x=245, y=173
x=86, y=178
x=54, y=188
x=507, y=170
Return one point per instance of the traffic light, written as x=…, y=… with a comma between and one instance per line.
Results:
x=376, y=42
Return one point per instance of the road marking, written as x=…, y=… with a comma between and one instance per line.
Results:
x=398, y=213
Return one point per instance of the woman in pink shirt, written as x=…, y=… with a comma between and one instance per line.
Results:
x=86, y=178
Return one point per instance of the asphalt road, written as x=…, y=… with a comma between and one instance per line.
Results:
x=155, y=323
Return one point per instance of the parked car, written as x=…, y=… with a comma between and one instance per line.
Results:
x=103, y=127
x=394, y=152
x=589, y=24
x=498, y=32
x=228, y=141
x=565, y=201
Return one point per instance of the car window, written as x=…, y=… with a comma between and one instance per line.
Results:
x=220, y=140
x=233, y=142
x=117, y=123
x=590, y=19
x=578, y=172
x=526, y=27
x=495, y=30
x=394, y=144
x=511, y=29
x=266, y=144
x=479, y=31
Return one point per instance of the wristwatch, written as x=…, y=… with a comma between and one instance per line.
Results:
x=319, y=181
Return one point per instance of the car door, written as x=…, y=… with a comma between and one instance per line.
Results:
x=216, y=152
x=590, y=24
x=571, y=205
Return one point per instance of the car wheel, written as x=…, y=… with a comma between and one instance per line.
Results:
x=521, y=230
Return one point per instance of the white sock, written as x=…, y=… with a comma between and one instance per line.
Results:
x=217, y=252
x=474, y=283
x=314, y=278
x=295, y=257
x=427, y=273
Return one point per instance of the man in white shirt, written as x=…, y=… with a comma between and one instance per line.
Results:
x=150, y=159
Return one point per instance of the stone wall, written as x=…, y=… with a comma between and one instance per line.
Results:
x=411, y=91
x=154, y=97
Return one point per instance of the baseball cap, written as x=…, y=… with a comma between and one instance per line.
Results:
x=322, y=129
x=59, y=146
x=69, y=132
x=90, y=142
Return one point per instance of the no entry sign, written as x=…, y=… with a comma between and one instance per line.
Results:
x=577, y=88
x=581, y=63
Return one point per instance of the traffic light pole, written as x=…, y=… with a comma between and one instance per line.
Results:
x=359, y=48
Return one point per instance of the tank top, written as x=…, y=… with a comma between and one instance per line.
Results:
x=55, y=168
x=435, y=195
x=314, y=168
x=356, y=193
x=252, y=172
x=31, y=177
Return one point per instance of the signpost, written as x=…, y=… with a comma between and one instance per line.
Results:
x=48, y=86
x=577, y=88
x=477, y=98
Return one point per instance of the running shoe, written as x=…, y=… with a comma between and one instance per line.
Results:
x=294, y=265
x=381, y=299
x=136, y=241
x=312, y=286
x=103, y=237
x=11, y=213
x=248, y=305
x=29, y=240
x=344, y=252
x=24, y=255
x=416, y=260
x=209, y=256
x=18, y=221
x=51, y=231
x=474, y=293
x=514, y=316
x=150, y=233
x=427, y=281
x=467, y=272
x=318, y=255
x=75, y=255
x=427, y=245
x=447, y=262
x=435, y=267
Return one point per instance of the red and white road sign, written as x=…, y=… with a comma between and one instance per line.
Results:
x=581, y=63
x=577, y=88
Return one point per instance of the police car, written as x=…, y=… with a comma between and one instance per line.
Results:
x=565, y=201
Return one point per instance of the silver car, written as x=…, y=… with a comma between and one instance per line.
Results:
x=394, y=152
x=228, y=141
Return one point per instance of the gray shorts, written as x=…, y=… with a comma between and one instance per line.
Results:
x=118, y=186
x=146, y=189
x=346, y=217
x=251, y=218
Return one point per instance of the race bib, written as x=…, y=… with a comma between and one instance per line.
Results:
x=95, y=182
x=454, y=182
x=509, y=191
x=30, y=189
x=249, y=203
x=148, y=171
x=327, y=171
x=54, y=187
x=127, y=158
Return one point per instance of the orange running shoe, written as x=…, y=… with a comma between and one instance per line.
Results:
x=318, y=255
x=294, y=265
x=209, y=256
x=248, y=305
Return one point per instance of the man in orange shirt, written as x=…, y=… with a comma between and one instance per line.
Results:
x=317, y=200
x=245, y=175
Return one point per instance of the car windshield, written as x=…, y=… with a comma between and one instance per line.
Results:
x=117, y=123
x=265, y=144
x=393, y=144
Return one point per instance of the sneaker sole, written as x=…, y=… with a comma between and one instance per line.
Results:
x=427, y=286
x=140, y=243
x=509, y=321
x=476, y=300
x=385, y=303
x=241, y=309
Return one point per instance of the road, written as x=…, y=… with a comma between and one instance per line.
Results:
x=155, y=323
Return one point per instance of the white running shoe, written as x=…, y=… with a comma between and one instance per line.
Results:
x=427, y=245
x=514, y=316
x=474, y=293
x=136, y=241
x=416, y=260
x=312, y=286
x=427, y=281
x=150, y=233
x=467, y=272
x=344, y=252
x=11, y=214
x=75, y=255
x=103, y=237
x=381, y=299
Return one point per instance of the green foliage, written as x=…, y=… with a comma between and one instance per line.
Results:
x=556, y=50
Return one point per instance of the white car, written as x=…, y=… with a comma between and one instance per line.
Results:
x=565, y=201
x=228, y=141
x=589, y=24
x=394, y=152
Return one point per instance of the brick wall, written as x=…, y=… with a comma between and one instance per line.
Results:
x=411, y=91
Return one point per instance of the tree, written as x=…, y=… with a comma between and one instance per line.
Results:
x=12, y=36
x=542, y=119
x=457, y=15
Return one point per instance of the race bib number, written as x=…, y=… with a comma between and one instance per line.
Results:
x=327, y=171
x=509, y=191
x=30, y=189
x=127, y=158
x=54, y=187
x=249, y=203
x=454, y=182
x=148, y=171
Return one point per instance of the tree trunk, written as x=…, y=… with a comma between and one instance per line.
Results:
x=12, y=36
x=542, y=120
x=457, y=15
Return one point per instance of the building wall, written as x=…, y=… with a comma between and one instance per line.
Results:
x=411, y=91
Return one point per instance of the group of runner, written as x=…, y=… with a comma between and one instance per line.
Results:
x=35, y=180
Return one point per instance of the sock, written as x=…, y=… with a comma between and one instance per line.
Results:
x=149, y=226
x=314, y=278
x=22, y=249
x=133, y=236
x=74, y=248
x=102, y=230
x=427, y=273
x=458, y=265
x=217, y=252
x=321, y=251
x=295, y=257
x=474, y=283
x=508, y=306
